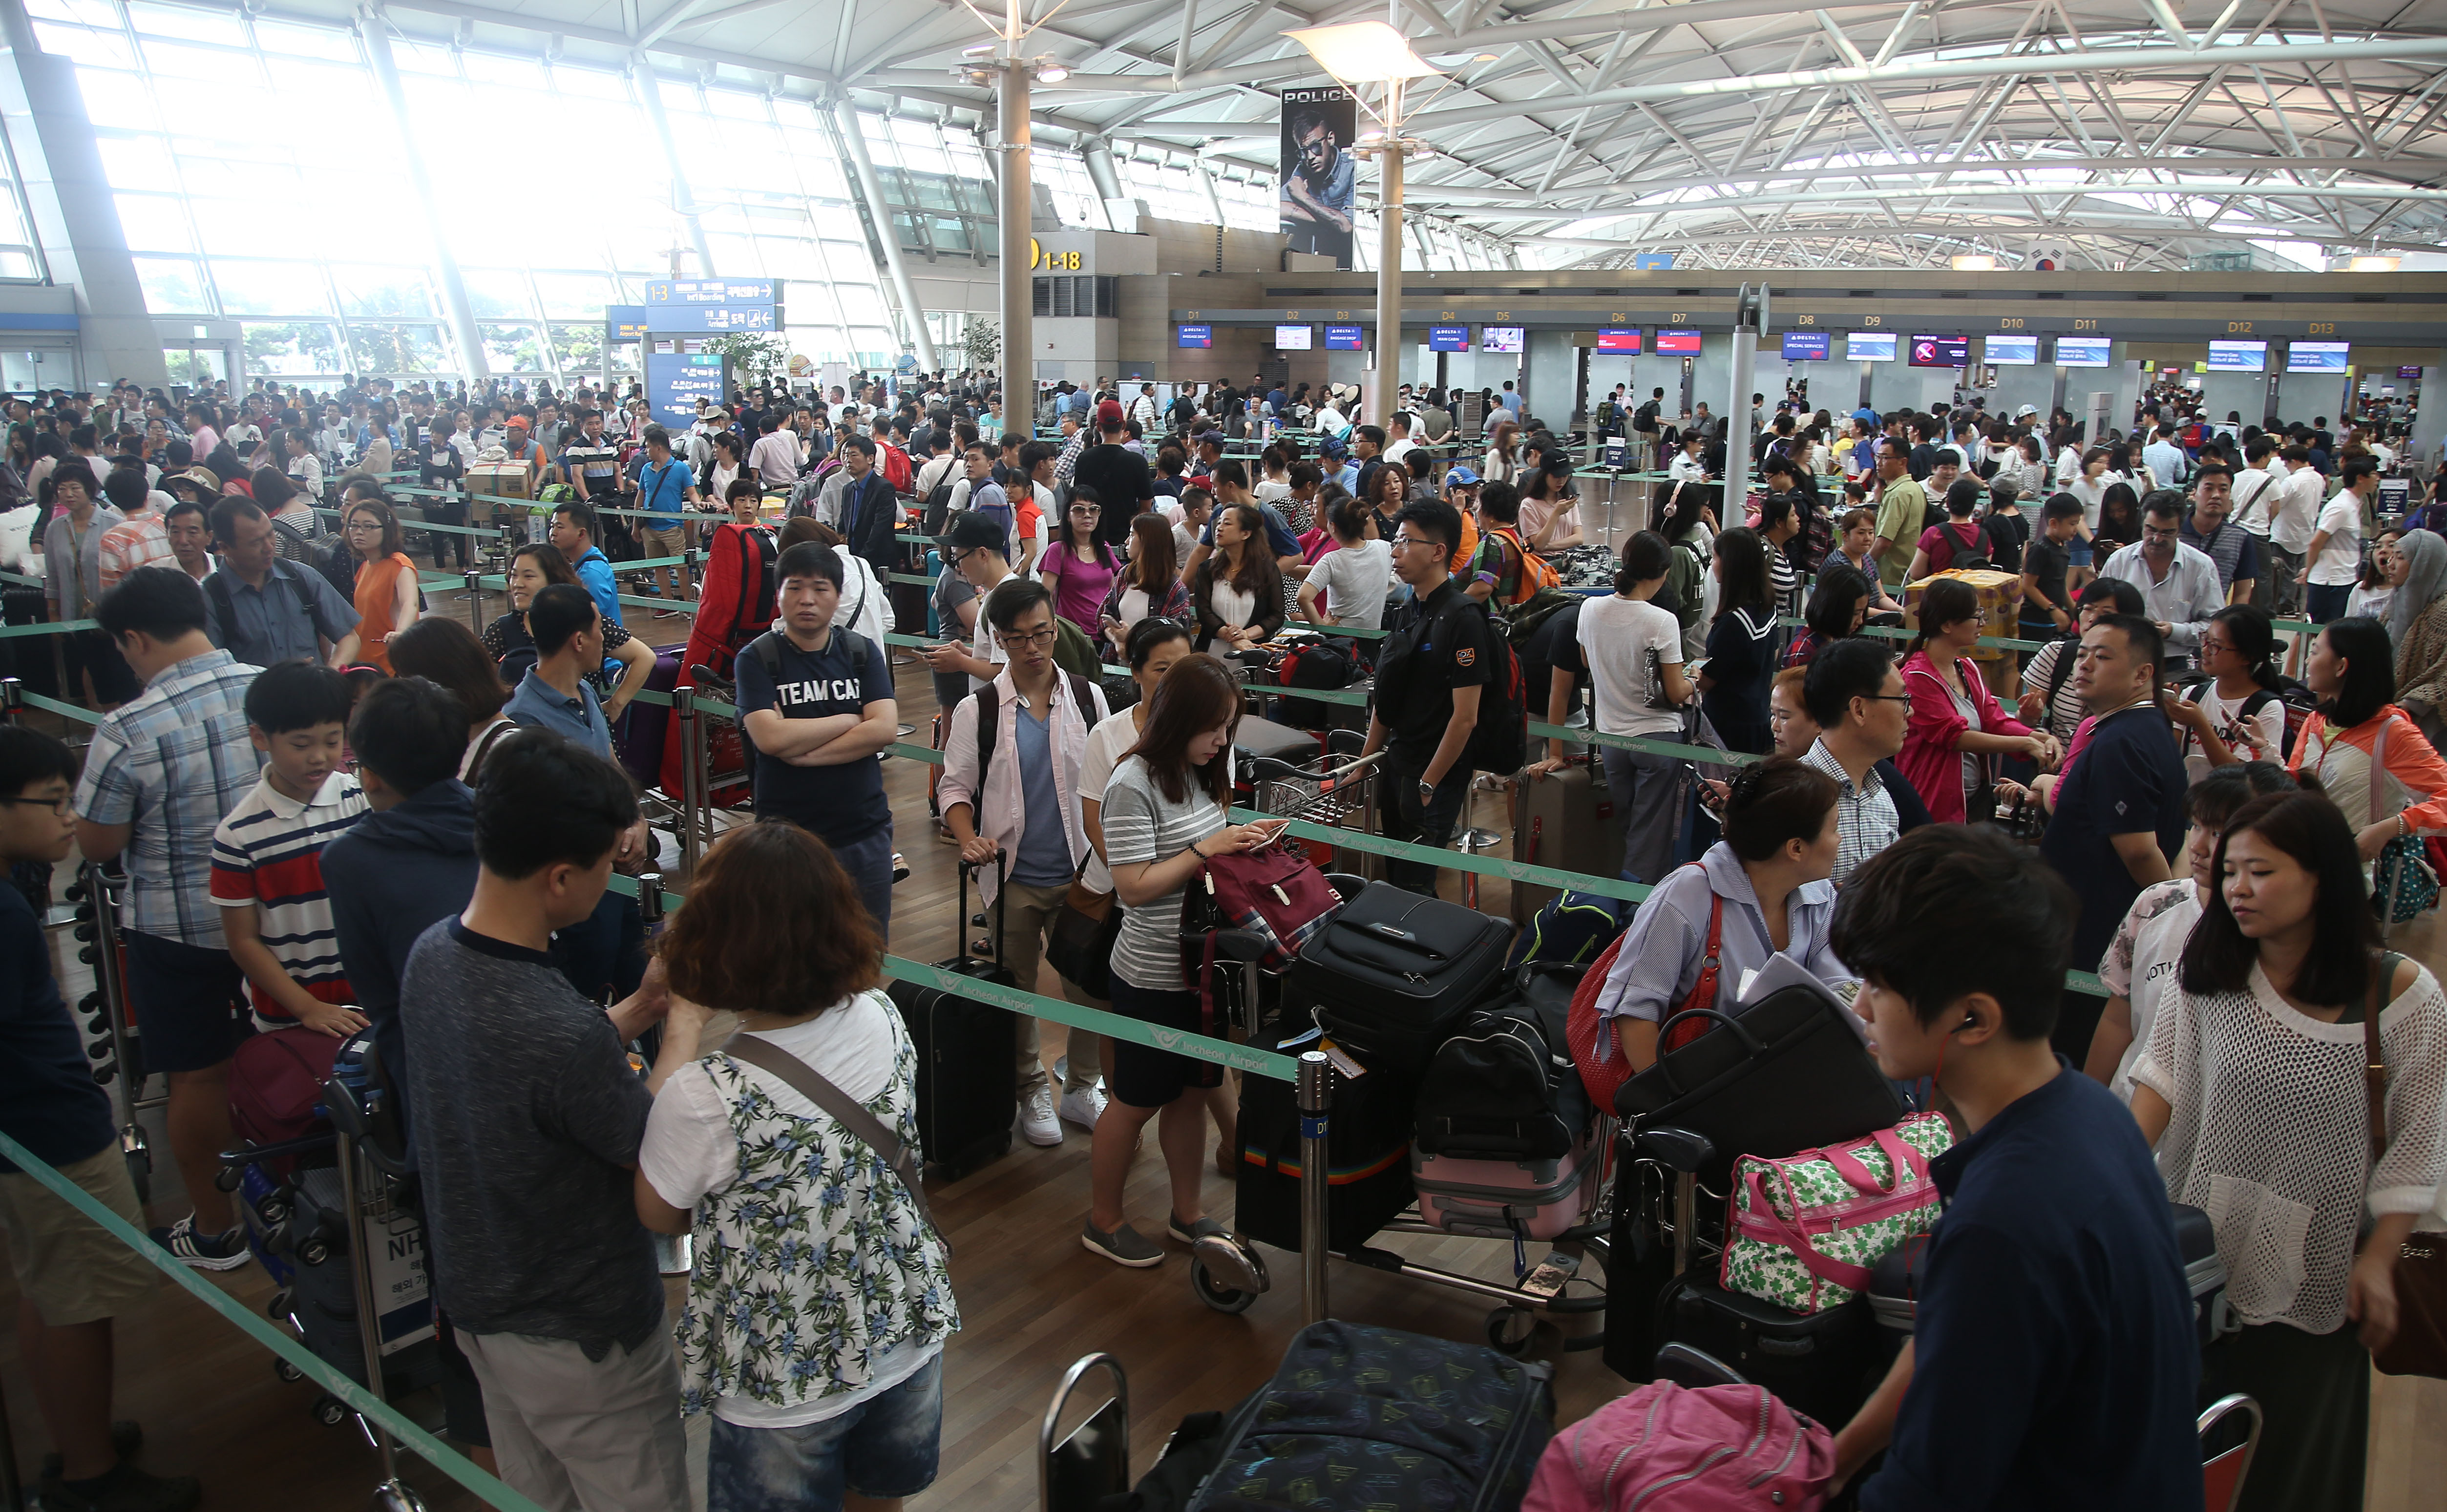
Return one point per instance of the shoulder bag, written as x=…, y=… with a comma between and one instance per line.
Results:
x=1805, y=1231
x=845, y=1110
x=1079, y=942
x=2419, y=1346
x=2403, y=873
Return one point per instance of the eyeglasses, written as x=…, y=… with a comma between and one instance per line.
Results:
x=60, y=806
x=1036, y=641
x=1400, y=541
x=1903, y=699
x=1088, y=510
x=363, y=525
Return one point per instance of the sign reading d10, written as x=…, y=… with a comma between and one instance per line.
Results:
x=708, y=292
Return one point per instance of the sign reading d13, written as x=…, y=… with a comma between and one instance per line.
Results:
x=708, y=292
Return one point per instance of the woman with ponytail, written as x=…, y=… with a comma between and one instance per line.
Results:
x=2233, y=711
x=1954, y=723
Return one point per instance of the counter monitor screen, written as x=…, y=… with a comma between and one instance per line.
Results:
x=1619, y=339
x=1197, y=336
x=1294, y=339
x=1869, y=346
x=1449, y=338
x=1345, y=338
x=2238, y=356
x=2317, y=356
x=2082, y=351
x=1941, y=351
x=1678, y=342
x=2012, y=351
x=1500, y=339
x=1807, y=346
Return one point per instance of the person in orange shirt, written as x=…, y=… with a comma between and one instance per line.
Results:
x=387, y=599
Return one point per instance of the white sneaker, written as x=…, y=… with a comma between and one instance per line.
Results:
x=1083, y=1106
x=1037, y=1124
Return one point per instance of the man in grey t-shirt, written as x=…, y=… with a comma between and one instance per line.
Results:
x=528, y=1124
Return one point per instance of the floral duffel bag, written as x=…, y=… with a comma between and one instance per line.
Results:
x=1803, y=1232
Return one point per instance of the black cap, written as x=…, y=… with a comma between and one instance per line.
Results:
x=969, y=531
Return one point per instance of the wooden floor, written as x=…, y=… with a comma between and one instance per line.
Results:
x=1032, y=1301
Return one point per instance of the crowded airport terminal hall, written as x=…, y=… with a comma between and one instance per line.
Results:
x=1200, y=756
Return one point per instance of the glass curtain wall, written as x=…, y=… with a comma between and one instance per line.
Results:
x=256, y=179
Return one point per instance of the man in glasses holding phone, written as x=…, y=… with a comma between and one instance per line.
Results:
x=1428, y=683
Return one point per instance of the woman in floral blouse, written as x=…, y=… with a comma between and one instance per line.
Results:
x=819, y=1304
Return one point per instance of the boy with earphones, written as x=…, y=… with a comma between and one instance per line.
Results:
x=2054, y=1361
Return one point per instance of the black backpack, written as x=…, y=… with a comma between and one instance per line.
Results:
x=1327, y=663
x=1645, y=418
x=1503, y=1087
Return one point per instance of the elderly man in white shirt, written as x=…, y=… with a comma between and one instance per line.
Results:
x=2179, y=583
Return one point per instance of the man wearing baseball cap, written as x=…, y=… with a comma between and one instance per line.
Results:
x=518, y=445
x=1120, y=476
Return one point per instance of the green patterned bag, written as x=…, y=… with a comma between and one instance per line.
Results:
x=1803, y=1232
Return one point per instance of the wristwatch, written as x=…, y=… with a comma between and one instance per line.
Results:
x=1427, y=788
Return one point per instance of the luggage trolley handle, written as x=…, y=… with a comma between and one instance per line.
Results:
x=103, y=888
x=348, y=1121
x=1046, y=1443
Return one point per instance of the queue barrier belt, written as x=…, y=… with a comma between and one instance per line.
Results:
x=251, y=1323
x=1355, y=839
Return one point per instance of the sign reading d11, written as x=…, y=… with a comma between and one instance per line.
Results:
x=708, y=292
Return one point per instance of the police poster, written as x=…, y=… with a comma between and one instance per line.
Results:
x=1319, y=175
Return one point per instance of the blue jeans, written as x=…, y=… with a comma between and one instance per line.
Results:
x=869, y=865
x=885, y=1446
x=2328, y=601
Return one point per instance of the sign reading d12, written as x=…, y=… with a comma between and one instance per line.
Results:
x=708, y=292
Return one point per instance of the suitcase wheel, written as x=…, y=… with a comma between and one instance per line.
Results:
x=1508, y=1329
x=331, y=1411
x=283, y=1370
x=1215, y=1292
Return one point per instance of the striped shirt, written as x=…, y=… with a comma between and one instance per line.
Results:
x=268, y=855
x=1866, y=822
x=1140, y=824
x=169, y=763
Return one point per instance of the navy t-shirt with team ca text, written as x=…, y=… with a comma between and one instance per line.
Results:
x=841, y=804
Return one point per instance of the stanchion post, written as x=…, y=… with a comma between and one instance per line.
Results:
x=688, y=571
x=692, y=772
x=650, y=899
x=475, y=603
x=1315, y=1094
x=12, y=700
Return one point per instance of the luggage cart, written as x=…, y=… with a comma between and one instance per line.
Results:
x=1327, y=791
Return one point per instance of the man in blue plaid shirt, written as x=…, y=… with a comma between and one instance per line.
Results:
x=161, y=772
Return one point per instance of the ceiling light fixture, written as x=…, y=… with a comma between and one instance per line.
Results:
x=1051, y=70
x=1974, y=262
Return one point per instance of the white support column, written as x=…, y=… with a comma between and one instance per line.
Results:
x=913, y=316
x=650, y=94
x=375, y=39
x=1013, y=215
x=1389, y=266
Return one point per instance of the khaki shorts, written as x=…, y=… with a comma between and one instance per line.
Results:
x=66, y=1265
x=661, y=543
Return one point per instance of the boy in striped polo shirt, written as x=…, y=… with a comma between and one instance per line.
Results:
x=268, y=853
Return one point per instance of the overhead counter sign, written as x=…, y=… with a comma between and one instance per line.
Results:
x=710, y=292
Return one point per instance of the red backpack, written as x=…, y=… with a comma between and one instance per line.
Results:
x=1604, y=1073
x=1273, y=892
x=276, y=1088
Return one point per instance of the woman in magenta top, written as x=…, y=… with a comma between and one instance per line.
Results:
x=1078, y=567
x=1954, y=724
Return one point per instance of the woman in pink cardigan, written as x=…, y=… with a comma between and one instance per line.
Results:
x=1955, y=722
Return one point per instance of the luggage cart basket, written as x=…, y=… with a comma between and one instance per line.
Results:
x=372, y=1174
x=1337, y=791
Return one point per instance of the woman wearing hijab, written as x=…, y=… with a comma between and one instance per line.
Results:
x=2417, y=624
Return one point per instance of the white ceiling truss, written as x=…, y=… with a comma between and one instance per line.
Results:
x=1734, y=133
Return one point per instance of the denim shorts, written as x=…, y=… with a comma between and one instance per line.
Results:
x=885, y=1446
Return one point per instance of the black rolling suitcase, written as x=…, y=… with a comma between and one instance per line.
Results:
x=322, y=1298
x=1894, y=1283
x=967, y=1102
x=1364, y=1418
x=1394, y=975
x=1823, y=1365
x=1368, y=1154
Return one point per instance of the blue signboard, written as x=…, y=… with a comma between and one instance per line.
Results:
x=2082, y=352
x=1449, y=338
x=1651, y=261
x=1344, y=338
x=2317, y=356
x=1806, y=346
x=708, y=292
x=674, y=382
x=693, y=319
x=1195, y=336
x=625, y=322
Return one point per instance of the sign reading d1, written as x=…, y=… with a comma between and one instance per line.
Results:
x=709, y=291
